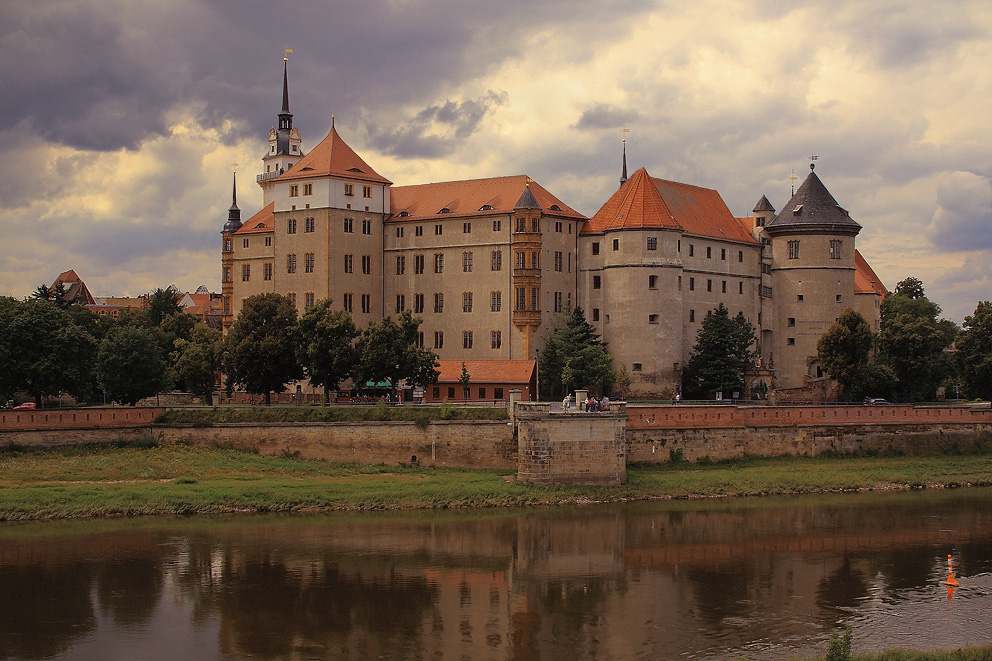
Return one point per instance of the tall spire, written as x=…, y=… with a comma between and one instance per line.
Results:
x=623, y=177
x=285, y=117
x=234, y=213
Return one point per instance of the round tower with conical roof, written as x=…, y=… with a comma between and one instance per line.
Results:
x=812, y=272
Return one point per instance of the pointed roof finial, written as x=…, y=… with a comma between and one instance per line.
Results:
x=332, y=121
x=285, y=84
x=234, y=191
x=233, y=213
x=623, y=177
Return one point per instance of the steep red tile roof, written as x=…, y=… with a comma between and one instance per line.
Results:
x=865, y=280
x=487, y=371
x=646, y=202
x=332, y=157
x=470, y=196
x=262, y=221
x=67, y=278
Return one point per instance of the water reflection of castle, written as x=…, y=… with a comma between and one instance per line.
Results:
x=600, y=582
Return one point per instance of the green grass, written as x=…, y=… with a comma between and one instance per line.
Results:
x=379, y=413
x=965, y=654
x=143, y=478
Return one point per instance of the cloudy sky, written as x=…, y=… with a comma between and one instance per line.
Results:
x=120, y=119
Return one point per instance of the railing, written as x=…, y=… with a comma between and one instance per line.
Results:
x=265, y=176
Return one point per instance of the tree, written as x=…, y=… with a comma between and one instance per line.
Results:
x=465, y=379
x=844, y=349
x=54, y=295
x=129, y=364
x=912, y=339
x=623, y=382
x=260, y=353
x=327, y=346
x=198, y=360
x=388, y=351
x=44, y=351
x=161, y=304
x=722, y=354
x=974, y=352
x=574, y=346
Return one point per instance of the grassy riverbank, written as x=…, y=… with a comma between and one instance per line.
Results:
x=133, y=479
x=965, y=654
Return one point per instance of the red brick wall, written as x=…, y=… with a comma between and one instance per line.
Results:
x=78, y=418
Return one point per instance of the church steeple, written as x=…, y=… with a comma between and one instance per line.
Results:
x=285, y=117
x=623, y=177
x=285, y=148
x=234, y=213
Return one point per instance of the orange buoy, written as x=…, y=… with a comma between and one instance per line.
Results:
x=950, y=575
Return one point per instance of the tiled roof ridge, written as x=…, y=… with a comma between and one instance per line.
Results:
x=264, y=215
x=636, y=201
x=332, y=157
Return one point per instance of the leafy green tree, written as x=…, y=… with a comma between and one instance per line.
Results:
x=130, y=365
x=844, y=349
x=198, y=360
x=974, y=352
x=161, y=304
x=388, y=351
x=327, y=346
x=877, y=379
x=912, y=339
x=623, y=382
x=574, y=346
x=722, y=354
x=44, y=352
x=465, y=379
x=260, y=353
x=54, y=295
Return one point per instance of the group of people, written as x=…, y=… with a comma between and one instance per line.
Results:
x=592, y=405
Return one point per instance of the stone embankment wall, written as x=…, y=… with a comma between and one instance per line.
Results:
x=718, y=433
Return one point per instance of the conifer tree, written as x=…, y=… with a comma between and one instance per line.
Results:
x=722, y=354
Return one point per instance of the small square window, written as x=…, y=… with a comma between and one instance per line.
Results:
x=652, y=318
x=791, y=341
x=838, y=298
x=637, y=367
x=799, y=298
x=652, y=282
x=791, y=321
x=652, y=243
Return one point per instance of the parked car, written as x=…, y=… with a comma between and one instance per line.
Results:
x=25, y=405
x=876, y=401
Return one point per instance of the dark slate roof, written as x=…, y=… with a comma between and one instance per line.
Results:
x=763, y=205
x=813, y=207
x=527, y=200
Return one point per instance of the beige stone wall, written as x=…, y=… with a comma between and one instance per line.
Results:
x=571, y=449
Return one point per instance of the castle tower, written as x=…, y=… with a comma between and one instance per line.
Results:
x=764, y=213
x=813, y=277
x=232, y=225
x=526, y=247
x=285, y=148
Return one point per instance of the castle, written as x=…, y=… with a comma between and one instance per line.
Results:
x=488, y=263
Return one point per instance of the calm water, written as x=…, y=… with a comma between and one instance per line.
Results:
x=762, y=579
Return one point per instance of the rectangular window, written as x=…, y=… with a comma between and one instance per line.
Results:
x=521, y=225
x=308, y=262
x=466, y=228
x=637, y=367
x=724, y=287
x=267, y=271
x=495, y=300
x=791, y=341
x=438, y=339
x=521, y=299
x=418, y=264
x=366, y=264
x=835, y=249
x=595, y=247
x=559, y=299
x=535, y=260
x=366, y=303
x=439, y=262
x=418, y=303
x=349, y=263
x=496, y=338
x=349, y=189
x=799, y=298
x=400, y=265
x=439, y=303
x=497, y=225
x=535, y=225
x=227, y=274
x=521, y=259
x=497, y=393
x=349, y=302
x=399, y=232
x=438, y=230
x=308, y=300
x=290, y=226
x=292, y=297
x=709, y=252
x=569, y=260
x=595, y=314
x=652, y=282
x=466, y=339
x=790, y=322
x=597, y=282
x=652, y=243
x=793, y=249
x=496, y=260
x=268, y=242
x=466, y=301
x=766, y=292
x=558, y=226
x=766, y=268
x=482, y=393
x=244, y=243
x=308, y=224
x=308, y=189
x=692, y=315
x=420, y=339
x=437, y=392
x=291, y=263
x=838, y=298
x=740, y=287
x=723, y=254
x=692, y=284
x=616, y=245
x=366, y=191
x=294, y=190
x=535, y=300
x=692, y=250
x=467, y=262
x=400, y=303
x=367, y=226
x=418, y=230
x=451, y=391
x=652, y=318
x=740, y=255
x=349, y=225
x=709, y=285
x=245, y=272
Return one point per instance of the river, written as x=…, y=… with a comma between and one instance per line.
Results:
x=758, y=578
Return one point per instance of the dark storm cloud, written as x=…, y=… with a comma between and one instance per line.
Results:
x=606, y=116
x=436, y=130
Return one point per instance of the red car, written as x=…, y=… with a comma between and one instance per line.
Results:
x=26, y=405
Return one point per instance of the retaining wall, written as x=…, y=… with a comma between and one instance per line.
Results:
x=570, y=448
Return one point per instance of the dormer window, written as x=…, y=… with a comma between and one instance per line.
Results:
x=445, y=210
x=353, y=170
x=403, y=214
x=797, y=210
x=486, y=207
x=555, y=207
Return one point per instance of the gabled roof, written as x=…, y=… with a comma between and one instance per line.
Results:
x=332, y=158
x=487, y=371
x=472, y=197
x=644, y=202
x=865, y=280
x=814, y=207
x=262, y=221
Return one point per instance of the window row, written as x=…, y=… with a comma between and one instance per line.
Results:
x=468, y=339
x=468, y=302
x=466, y=393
